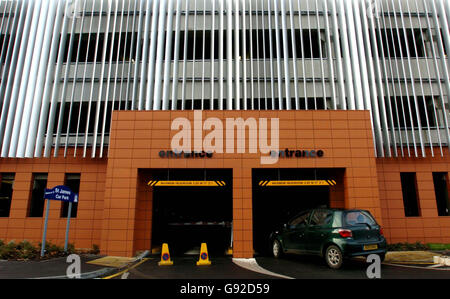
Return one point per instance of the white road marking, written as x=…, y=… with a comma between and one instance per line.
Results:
x=252, y=265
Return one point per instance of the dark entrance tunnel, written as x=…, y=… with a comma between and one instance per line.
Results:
x=186, y=216
x=275, y=205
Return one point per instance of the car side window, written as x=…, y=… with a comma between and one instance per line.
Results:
x=300, y=221
x=321, y=218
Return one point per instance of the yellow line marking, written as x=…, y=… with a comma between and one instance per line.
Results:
x=126, y=270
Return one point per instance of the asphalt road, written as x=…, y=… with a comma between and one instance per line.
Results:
x=313, y=267
x=186, y=268
x=299, y=267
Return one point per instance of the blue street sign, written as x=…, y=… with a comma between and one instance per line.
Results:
x=62, y=193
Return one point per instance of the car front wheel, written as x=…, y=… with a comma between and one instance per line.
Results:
x=334, y=257
x=277, y=250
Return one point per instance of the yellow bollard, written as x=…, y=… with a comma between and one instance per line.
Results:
x=165, y=256
x=204, y=257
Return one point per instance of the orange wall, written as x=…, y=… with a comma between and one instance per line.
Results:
x=85, y=229
x=428, y=227
x=137, y=138
x=115, y=208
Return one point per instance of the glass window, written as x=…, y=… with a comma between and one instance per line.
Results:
x=321, y=218
x=409, y=191
x=300, y=221
x=6, y=187
x=36, y=205
x=358, y=217
x=440, y=180
x=72, y=181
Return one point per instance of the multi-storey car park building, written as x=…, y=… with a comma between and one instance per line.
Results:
x=91, y=91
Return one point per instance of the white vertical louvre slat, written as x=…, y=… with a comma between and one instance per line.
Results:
x=145, y=87
x=294, y=54
x=102, y=79
x=244, y=55
x=29, y=69
x=272, y=75
x=338, y=57
x=125, y=65
x=403, y=58
x=137, y=81
x=149, y=73
x=75, y=80
x=354, y=63
x=346, y=53
x=203, y=55
x=252, y=67
x=322, y=71
x=8, y=47
x=83, y=83
x=387, y=56
x=331, y=73
x=194, y=55
x=278, y=48
x=176, y=55
x=8, y=81
x=380, y=71
x=91, y=94
x=311, y=51
x=287, y=75
x=444, y=68
x=230, y=55
x=168, y=58
x=415, y=46
x=221, y=59
x=4, y=29
x=373, y=100
x=107, y=97
x=412, y=80
x=186, y=31
x=359, y=32
x=237, y=62
x=28, y=130
x=119, y=61
x=263, y=26
x=160, y=56
x=429, y=78
x=212, y=57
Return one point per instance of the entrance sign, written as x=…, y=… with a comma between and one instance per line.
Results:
x=186, y=183
x=297, y=183
x=61, y=193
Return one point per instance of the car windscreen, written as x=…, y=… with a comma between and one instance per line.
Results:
x=357, y=218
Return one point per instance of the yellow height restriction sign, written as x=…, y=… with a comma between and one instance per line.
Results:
x=298, y=183
x=186, y=183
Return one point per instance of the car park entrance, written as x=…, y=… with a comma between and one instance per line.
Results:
x=190, y=207
x=280, y=194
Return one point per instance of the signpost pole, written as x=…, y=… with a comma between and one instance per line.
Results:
x=69, y=213
x=45, y=228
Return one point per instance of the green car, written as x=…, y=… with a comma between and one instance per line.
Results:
x=334, y=234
